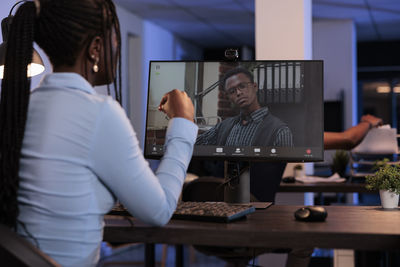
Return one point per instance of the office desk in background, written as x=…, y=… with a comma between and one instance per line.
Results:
x=345, y=187
x=347, y=227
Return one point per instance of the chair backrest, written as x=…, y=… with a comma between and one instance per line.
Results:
x=16, y=251
x=265, y=178
x=206, y=188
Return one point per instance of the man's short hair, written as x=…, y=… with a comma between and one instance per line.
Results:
x=235, y=71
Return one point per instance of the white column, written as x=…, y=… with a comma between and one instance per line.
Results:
x=334, y=41
x=283, y=29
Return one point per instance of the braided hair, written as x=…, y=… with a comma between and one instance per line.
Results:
x=62, y=28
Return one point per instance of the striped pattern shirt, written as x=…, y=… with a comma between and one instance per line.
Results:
x=242, y=134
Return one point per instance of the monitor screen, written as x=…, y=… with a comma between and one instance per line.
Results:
x=245, y=110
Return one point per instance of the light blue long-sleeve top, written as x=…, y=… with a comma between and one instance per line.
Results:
x=79, y=154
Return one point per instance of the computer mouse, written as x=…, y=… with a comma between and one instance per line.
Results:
x=288, y=179
x=311, y=214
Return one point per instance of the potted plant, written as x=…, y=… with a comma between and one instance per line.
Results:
x=380, y=163
x=298, y=170
x=387, y=181
x=340, y=162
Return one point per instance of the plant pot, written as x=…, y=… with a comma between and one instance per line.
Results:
x=389, y=199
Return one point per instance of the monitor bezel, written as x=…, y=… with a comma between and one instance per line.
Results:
x=240, y=158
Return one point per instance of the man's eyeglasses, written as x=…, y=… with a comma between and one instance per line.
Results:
x=240, y=87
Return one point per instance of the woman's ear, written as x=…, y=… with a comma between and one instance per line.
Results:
x=94, y=53
x=95, y=48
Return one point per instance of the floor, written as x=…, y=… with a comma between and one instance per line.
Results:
x=133, y=255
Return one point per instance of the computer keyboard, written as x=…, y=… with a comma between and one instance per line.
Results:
x=211, y=211
x=202, y=211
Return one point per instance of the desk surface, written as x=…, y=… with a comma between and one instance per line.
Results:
x=353, y=227
x=324, y=187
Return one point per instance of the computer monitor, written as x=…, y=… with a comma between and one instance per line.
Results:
x=284, y=99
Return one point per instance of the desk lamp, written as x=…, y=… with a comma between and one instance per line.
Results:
x=35, y=67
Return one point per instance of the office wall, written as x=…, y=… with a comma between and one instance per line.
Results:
x=143, y=41
x=5, y=6
x=334, y=41
x=153, y=43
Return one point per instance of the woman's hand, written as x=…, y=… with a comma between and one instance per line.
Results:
x=176, y=103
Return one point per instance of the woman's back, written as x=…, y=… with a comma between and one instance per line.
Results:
x=61, y=199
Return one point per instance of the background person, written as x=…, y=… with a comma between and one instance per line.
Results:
x=351, y=137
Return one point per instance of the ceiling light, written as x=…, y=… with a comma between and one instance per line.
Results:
x=35, y=67
x=383, y=89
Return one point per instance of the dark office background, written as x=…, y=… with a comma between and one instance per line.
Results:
x=379, y=66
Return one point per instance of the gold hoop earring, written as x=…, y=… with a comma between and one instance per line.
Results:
x=96, y=62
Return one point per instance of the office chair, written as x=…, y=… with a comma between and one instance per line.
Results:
x=16, y=251
x=265, y=178
x=207, y=188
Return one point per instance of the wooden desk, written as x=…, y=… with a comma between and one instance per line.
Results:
x=348, y=227
x=324, y=187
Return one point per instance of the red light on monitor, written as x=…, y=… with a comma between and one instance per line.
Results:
x=308, y=151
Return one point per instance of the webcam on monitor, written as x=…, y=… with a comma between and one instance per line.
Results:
x=232, y=54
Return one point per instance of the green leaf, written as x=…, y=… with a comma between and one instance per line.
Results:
x=386, y=178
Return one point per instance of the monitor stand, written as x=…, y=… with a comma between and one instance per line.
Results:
x=237, y=182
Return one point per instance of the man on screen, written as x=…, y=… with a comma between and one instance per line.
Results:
x=254, y=126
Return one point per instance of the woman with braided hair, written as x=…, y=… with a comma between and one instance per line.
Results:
x=68, y=153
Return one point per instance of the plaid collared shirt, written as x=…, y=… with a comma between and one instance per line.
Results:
x=243, y=134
